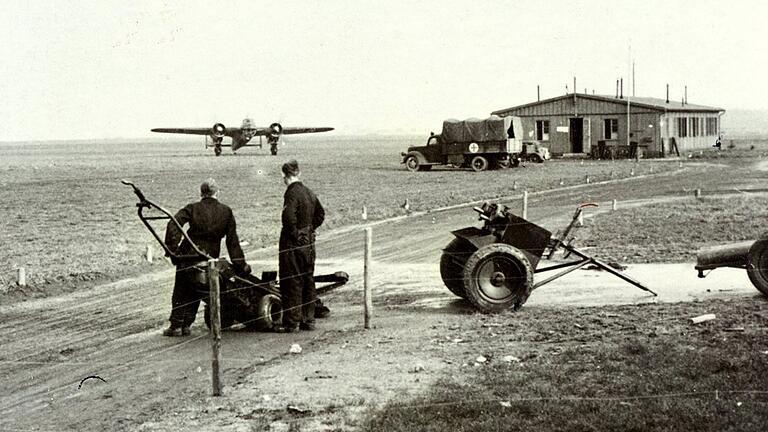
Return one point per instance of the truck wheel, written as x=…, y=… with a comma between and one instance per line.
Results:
x=536, y=158
x=757, y=265
x=498, y=277
x=268, y=312
x=452, y=263
x=226, y=320
x=412, y=163
x=479, y=163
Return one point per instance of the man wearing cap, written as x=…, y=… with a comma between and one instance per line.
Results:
x=209, y=222
x=302, y=215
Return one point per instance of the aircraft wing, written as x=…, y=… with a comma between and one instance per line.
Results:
x=303, y=130
x=288, y=130
x=196, y=131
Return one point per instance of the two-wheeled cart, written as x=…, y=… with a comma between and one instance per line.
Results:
x=749, y=255
x=245, y=298
x=493, y=266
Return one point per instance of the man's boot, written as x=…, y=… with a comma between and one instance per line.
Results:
x=321, y=310
x=172, y=331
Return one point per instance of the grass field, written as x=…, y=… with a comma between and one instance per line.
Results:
x=675, y=231
x=70, y=223
x=628, y=368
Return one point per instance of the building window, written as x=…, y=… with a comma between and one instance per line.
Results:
x=682, y=127
x=542, y=130
x=711, y=126
x=611, y=129
x=694, y=126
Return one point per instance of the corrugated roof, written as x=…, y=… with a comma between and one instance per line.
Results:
x=645, y=102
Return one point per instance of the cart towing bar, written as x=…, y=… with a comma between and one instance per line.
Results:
x=143, y=204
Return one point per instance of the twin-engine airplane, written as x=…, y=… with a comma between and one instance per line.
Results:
x=242, y=135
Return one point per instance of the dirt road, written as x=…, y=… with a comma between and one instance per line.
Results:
x=113, y=331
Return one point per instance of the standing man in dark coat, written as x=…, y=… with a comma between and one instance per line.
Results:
x=302, y=214
x=209, y=222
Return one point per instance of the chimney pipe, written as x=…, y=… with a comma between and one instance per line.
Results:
x=621, y=89
x=538, y=94
x=686, y=95
x=574, y=84
x=617, y=89
x=667, y=93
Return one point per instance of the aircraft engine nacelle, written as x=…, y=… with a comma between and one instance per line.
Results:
x=218, y=130
x=275, y=130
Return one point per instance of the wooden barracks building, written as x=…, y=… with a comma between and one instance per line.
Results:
x=597, y=125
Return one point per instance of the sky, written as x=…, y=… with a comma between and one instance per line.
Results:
x=111, y=69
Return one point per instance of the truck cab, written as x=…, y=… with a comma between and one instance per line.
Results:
x=533, y=151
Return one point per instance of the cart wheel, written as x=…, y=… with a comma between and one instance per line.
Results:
x=479, y=163
x=268, y=312
x=498, y=277
x=226, y=320
x=757, y=265
x=452, y=263
x=412, y=163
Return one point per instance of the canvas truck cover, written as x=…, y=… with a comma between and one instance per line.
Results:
x=493, y=128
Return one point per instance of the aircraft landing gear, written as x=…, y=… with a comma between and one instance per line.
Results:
x=217, y=149
x=273, y=149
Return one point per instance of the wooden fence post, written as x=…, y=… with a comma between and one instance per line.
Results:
x=22, y=277
x=367, y=300
x=614, y=205
x=215, y=315
x=697, y=193
x=149, y=254
x=525, y=204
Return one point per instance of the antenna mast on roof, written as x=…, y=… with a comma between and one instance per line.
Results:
x=631, y=66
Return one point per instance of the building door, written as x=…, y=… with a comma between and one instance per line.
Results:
x=577, y=135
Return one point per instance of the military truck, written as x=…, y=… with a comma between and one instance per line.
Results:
x=474, y=143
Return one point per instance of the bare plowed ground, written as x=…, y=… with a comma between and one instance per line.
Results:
x=421, y=332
